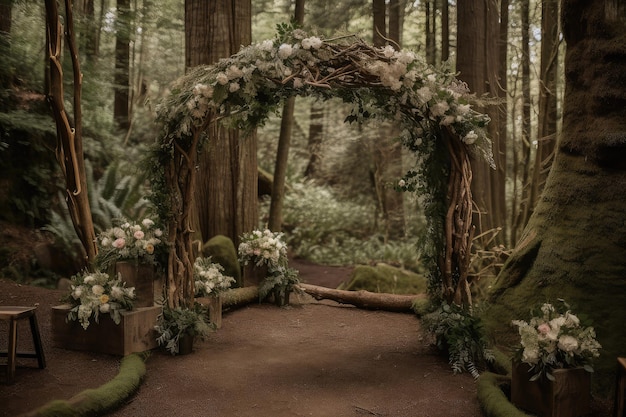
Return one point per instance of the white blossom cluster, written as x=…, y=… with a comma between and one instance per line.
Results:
x=263, y=248
x=209, y=279
x=95, y=293
x=245, y=87
x=556, y=340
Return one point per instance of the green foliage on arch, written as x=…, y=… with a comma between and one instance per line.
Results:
x=380, y=84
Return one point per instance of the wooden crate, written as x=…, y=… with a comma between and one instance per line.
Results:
x=569, y=395
x=135, y=333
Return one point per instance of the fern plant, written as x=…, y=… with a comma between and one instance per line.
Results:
x=114, y=195
x=459, y=332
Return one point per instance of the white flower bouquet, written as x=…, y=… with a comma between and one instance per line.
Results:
x=263, y=248
x=209, y=279
x=92, y=293
x=128, y=241
x=556, y=340
x=267, y=248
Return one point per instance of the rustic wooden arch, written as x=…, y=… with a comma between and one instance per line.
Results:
x=432, y=106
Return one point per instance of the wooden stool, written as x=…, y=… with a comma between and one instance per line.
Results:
x=620, y=389
x=13, y=314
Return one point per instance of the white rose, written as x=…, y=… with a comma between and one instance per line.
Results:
x=568, y=343
x=284, y=51
x=97, y=289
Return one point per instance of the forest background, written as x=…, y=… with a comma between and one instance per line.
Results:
x=132, y=50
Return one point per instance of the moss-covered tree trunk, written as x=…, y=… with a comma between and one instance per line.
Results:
x=574, y=246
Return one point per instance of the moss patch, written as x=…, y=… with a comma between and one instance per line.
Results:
x=492, y=397
x=384, y=278
x=97, y=402
x=222, y=250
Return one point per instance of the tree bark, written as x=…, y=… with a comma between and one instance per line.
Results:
x=547, y=124
x=364, y=299
x=122, y=62
x=379, y=32
x=445, y=31
x=477, y=64
x=227, y=184
x=282, y=153
x=314, y=146
x=6, y=8
x=573, y=246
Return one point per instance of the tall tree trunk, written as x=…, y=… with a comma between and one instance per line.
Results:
x=379, y=33
x=396, y=14
x=316, y=135
x=546, y=126
x=477, y=63
x=122, y=62
x=282, y=154
x=525, y=162
x=445, y=31
x=388, y=152
x=6, y=7
x=573, y=246
x=430, y=34
x=503, y=42
x=226, y=193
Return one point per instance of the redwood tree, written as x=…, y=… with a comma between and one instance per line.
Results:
x=477, y=63
x=226, y=191
x=573, y=246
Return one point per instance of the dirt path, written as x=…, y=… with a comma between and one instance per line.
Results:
x=311, y=359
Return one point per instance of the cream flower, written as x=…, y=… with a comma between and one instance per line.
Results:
x=284, y=51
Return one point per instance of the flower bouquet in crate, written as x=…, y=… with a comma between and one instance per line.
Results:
x=95, y=293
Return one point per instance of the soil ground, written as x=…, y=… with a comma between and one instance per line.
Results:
x=309, y=359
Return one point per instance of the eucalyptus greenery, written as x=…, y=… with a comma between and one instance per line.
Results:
x=459, y=332
x=173, y=323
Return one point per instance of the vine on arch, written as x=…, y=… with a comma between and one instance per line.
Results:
x=433, y=108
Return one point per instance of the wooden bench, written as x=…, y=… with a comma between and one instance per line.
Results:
x=12, y=315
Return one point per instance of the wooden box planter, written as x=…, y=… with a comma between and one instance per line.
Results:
x=140, y=276
x=214, y=306
x=568, y=396
x=135, y=333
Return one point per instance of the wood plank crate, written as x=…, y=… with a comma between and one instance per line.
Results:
x=135, y=333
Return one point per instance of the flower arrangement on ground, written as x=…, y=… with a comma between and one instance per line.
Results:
x=209, y=279
x=129, y=241
x=174, y=323
x=267, y=248
x=556, y=340
x=93, y=293
x=263, y=248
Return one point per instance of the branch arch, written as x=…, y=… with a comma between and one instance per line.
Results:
x=434, y=109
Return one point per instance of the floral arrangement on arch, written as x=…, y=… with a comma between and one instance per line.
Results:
x=95, y=293
x=246, y=87
x=129, y=241
x=554, y=340
x=209, y=279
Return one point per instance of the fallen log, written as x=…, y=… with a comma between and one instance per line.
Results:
x=239, y=297
x=365, y=299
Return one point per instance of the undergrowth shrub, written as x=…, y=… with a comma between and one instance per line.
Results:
x=325, y=229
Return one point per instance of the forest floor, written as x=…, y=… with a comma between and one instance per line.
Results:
x=312, y=358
